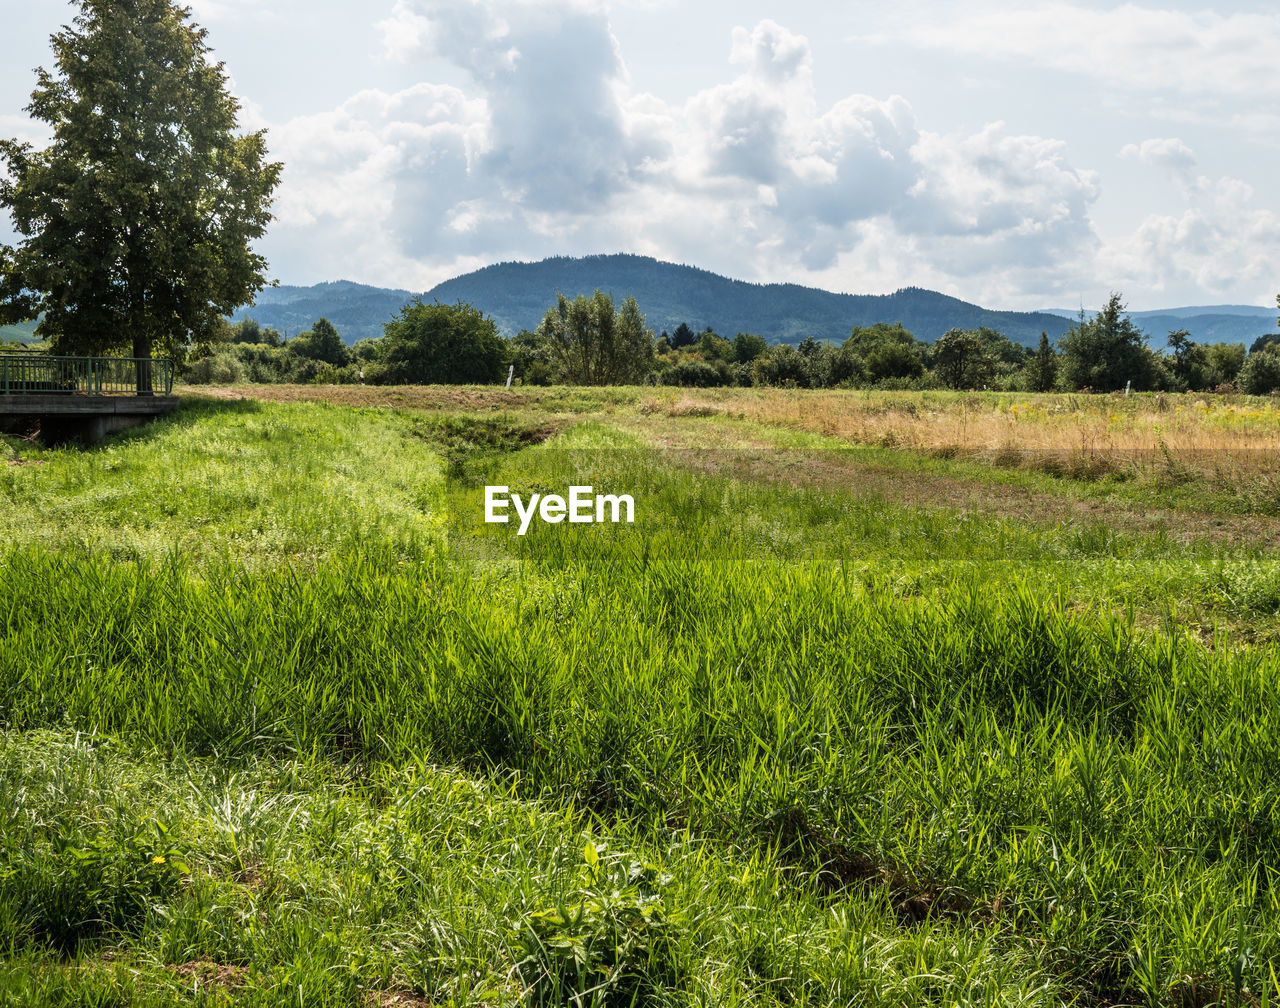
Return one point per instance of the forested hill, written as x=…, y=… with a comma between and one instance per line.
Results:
x=518, y=294
x=358, y=311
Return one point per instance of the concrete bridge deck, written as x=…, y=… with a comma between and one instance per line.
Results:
x=76, y=416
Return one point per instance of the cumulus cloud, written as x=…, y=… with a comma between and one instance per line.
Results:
x=550, y=149
x=554, y=83
x=1165, y=152
x=1221, y=241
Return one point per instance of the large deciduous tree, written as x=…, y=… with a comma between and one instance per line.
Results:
x=137, y=220
x=591, y=344
x=439, y=344
x=1106, y=352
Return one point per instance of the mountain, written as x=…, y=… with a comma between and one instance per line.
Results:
x=517, y=295
x=357, y=310
x=1206, y=323
x=23, y=332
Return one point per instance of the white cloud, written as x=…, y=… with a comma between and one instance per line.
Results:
x=1221, y=243
x=1166, y=152
x=552, y=151
x=1201, y=54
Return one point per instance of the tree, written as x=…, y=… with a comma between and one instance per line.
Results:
x=747, y=347
x=321, y=342
x=591, y=344
x=713, y=347
x=1223, y=362
x=138, y=218
x=531, y=355
x=960, y=360
x=781, y=365
x=1106, y=352
x=683, y=336
x=1189, y=365
x=887, y=351
x=249, y=331
x=1042, y=367
x=438, y=344
x=1260, y=374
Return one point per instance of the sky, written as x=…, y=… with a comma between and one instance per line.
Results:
x=1021, y=156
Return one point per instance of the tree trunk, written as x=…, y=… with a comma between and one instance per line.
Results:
x=142, y=364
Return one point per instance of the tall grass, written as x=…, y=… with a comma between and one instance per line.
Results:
x=987, y=759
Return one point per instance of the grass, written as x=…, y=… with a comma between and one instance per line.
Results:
x=257, y=481
x=773, y=744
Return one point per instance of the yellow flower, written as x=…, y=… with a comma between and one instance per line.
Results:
x=158, y=859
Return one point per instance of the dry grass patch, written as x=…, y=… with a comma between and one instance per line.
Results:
x=1030, y=424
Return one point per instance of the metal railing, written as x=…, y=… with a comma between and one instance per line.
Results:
x=40, y=374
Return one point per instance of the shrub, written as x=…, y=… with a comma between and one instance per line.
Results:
x=1261, y=372
x=223, y=368
x=696, y=374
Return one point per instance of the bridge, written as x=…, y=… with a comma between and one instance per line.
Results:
x=81, y=398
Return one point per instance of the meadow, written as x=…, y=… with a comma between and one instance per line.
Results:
x=884, y=699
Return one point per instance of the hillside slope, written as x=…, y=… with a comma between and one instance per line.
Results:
x=518, y=294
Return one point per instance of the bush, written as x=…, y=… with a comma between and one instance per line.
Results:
x=537, y=373
x=223, y=368
x=696, y=374
x=1261, y=373
x=430, y=344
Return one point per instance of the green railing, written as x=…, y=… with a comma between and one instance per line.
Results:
x=39, y=374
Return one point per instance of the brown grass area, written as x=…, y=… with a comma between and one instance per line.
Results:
x=729, y=451
x=1226, y=438
x=843, y=472
x=929, y=421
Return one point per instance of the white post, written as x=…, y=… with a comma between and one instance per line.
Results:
x=1126, y=386
x=511, y=370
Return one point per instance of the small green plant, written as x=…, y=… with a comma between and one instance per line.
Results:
x=1251, y=585
x=80, y=885
x=608, y=943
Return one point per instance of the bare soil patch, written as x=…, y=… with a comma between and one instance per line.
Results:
x=208, y=972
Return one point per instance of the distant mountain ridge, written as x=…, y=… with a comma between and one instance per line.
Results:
x=357, y=310
x=517, y=294
x=1206, y=323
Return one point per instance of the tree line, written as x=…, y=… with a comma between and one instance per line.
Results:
x=591, y=341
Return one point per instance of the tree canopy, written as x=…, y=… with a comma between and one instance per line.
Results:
x=1106, y=352
x=592, y=344
x=322, y=343
x=138, y=219
x=437, y=344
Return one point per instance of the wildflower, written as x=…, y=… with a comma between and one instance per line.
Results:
x=158, y=859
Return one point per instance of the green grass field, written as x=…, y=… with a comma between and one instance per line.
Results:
x=834, y=722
